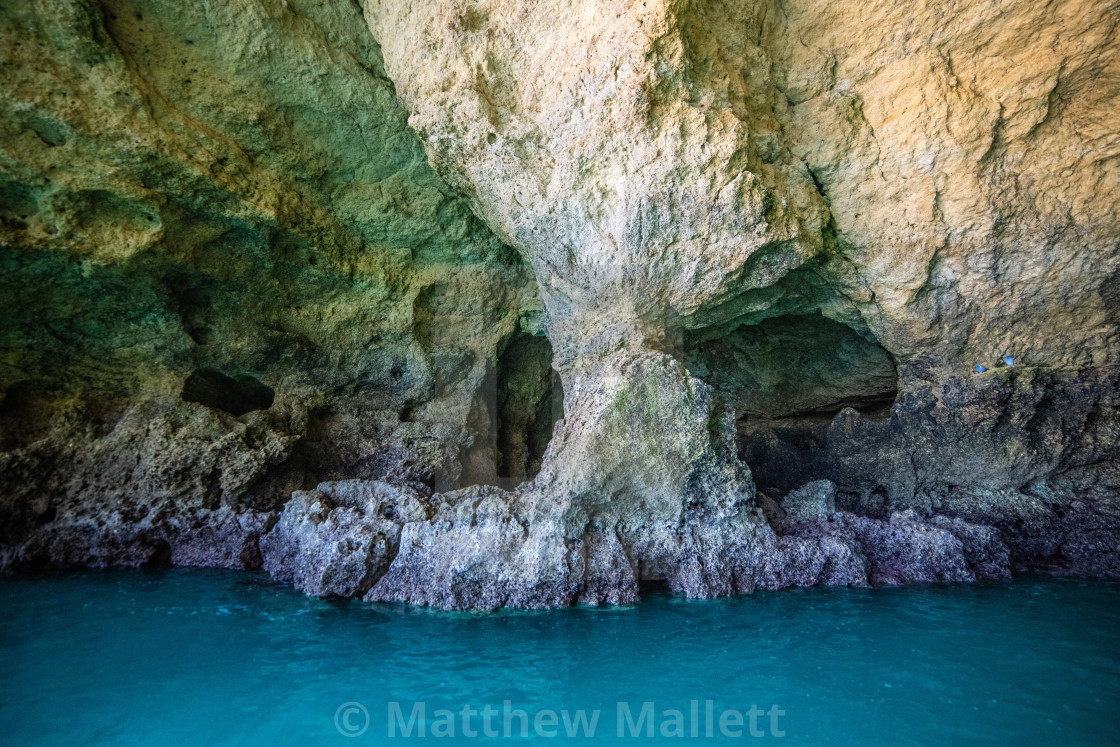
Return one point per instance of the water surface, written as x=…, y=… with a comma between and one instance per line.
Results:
x=213, y=657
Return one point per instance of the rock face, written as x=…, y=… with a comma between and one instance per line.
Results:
x=228, y=272
x=574, y=295
x=606, y=510
x=709, y=181
x=482, y=547
x=647, y=200
x=339, y=539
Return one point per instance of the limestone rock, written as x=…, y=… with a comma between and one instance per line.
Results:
x=158, y=534
x=482, y=550
x=706, y=246
x=202, y=203
x=905, y=549
x=820, y=553
x=984, y=549
x=647, y=487
x=648, y=194
x=339, y=539
x=846, y=335
x=968, y=158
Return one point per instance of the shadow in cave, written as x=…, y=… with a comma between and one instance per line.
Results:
x=233, y=395
x=788, y=378
x=530, y=399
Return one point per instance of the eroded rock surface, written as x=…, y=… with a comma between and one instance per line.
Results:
x=779, y=250
x=228, y=271
x=606, y=509
x=708, y=181
x=338, y=539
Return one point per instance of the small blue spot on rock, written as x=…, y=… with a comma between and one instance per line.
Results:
x=1008, y=359
x=979, y=369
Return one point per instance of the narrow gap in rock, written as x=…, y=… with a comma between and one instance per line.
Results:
x=530, y=399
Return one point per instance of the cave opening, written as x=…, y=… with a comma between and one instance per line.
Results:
x=530, y=399
x=235, y=395
x=788, y=378
x=26, y=410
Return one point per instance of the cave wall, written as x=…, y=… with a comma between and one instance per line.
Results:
x=192, y=195
x=252, y=247
x=796, y=365
x=935, y=185
x=969, y=164
x=968, y=156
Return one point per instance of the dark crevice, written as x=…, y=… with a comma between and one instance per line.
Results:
x=235, y=395
x=26, y=409
x=653, y=587
x=788, y=378
x=794, y=365
x=530, y=400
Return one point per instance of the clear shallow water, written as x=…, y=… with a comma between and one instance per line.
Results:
x=212, y=657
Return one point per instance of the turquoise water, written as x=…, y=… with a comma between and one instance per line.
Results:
x=212, y=657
